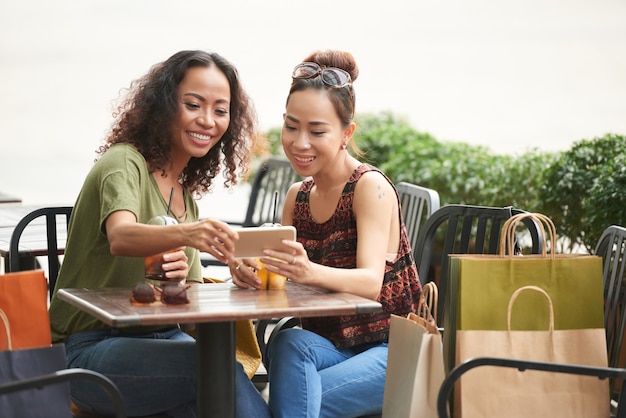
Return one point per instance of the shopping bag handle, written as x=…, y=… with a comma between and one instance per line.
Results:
x=430, y=326
x=544, y=223
x=429, y=300
x=535, y=288
x=7, y=327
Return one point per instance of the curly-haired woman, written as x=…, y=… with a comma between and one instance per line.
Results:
x=179, y=126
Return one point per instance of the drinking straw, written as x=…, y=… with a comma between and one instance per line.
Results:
x=275, y=207
x=169, y=205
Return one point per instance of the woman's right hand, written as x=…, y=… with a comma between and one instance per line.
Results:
x=214, y=237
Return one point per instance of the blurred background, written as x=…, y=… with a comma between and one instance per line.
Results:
x=512, y=76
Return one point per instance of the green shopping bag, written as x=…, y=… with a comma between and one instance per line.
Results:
x=480, y=287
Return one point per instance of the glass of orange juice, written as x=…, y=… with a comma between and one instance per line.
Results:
x=153, y=264
x=270, y=280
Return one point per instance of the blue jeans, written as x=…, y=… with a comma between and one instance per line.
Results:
x=156, y=373
x=310, y=377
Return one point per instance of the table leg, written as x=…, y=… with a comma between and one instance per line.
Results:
x=216, y=369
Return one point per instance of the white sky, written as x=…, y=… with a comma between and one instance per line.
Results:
x=509, y=75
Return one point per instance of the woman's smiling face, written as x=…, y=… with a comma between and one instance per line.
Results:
x=312, y=132
x=203, y=111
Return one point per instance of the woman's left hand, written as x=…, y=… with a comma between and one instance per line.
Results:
x=243, y=273
x=175, y=264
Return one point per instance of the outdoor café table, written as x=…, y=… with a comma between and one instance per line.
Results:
x=214, y=308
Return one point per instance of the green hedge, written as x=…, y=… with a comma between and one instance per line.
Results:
x=584, y=189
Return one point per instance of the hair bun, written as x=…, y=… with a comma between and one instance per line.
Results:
x=337, y=59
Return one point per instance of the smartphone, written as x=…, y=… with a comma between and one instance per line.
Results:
x=253, y=240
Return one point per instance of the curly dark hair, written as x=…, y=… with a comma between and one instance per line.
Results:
x=144, y=119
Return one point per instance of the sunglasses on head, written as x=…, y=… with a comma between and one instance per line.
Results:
x=331, y=76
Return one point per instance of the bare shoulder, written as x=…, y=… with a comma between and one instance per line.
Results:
x=293, y=190
x=290, y=203
x=375, y=185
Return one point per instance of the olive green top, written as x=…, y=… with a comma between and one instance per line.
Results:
x=119, y=180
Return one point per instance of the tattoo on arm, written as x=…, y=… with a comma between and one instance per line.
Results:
x=381, y=192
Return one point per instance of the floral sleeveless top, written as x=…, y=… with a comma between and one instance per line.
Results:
x=333, y=243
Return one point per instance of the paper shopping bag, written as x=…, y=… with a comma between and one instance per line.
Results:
x=414, y=368
x=499, y=392
x=24, y=299
x=50, y=401
x=480, y=287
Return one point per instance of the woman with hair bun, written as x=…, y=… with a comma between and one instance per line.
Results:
x=350, y=238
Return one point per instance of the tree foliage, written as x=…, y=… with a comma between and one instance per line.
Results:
x=460, y=172
x=584, y=188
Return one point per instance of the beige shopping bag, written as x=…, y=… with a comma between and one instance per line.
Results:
x=415, y=368
x=499, y=392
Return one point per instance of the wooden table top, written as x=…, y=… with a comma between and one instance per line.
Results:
x=217, y=302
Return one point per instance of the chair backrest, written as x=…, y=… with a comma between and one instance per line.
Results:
x=51, y=215
x=463, y=229
x=417, y=204
x=274, y=175
x=612, y=248
x=523, y=365
x=64, y=377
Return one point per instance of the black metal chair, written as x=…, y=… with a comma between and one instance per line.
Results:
x=20, y=261
x=522, y=365
x=64, y=377
x=275, y=175
x=463, y=229
x=612, y=248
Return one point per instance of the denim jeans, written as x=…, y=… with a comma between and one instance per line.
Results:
x=155, y=372
x=310, y=377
